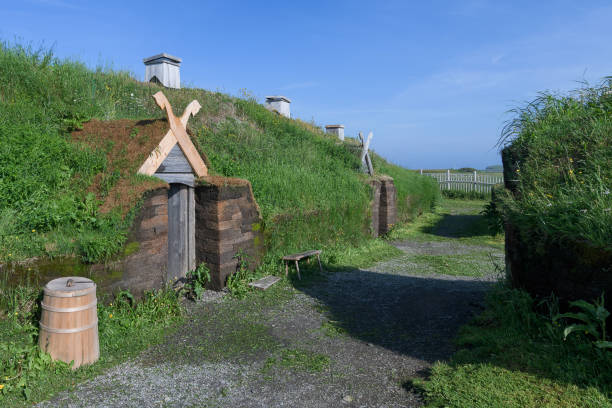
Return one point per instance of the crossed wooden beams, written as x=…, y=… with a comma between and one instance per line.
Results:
x=176, y=134
x=365, y=155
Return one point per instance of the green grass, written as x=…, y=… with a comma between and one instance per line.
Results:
x=308, y=185
x=361, y=256
x=513, y=355
x=466, y=195
x=453, y=220
x=557, y=155
x=298, y=359
x=414, y=196
x=332, y=328
x=475, y=264
x=26, y=375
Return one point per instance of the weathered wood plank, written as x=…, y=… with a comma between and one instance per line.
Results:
x=301, y=255
x=174, y=232
x=191, y=229
x=183, y=243
x=159, y=154
x=369, y=164
x=366, y=146
x=180, y=178
x=191, y=153
x=265, y=283
x=175, y=162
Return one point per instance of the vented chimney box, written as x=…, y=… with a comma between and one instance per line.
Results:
x=337, y=130
x=164, y=69
x=279, y=104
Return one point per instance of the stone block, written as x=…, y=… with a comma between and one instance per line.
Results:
x=157, y=221
x=222, y=232
x=384, y=205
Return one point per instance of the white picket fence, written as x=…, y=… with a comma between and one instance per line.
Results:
x=479, y=182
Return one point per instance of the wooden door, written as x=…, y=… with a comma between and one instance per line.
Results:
x=181, y=231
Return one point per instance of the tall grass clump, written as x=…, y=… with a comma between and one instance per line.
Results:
x=558, y=151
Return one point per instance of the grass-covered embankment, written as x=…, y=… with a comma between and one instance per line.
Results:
x=308, y=185
x=558, y=155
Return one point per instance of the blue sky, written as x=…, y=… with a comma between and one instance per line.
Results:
x=432, y=79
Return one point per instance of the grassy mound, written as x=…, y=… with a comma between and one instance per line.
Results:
x=557, y=157
x=56, y=186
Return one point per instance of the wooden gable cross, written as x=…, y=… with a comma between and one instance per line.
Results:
x=366, y=161
x=175, y=156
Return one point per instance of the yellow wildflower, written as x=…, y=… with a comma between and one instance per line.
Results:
x=110, y=315
x=549, y=195
x=33, y=230
x=571, y=172
x=1, y=386
x=571, y=160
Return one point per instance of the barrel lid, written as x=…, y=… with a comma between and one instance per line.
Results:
x=69, y=286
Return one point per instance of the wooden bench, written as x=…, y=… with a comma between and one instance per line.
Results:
x=300, y=256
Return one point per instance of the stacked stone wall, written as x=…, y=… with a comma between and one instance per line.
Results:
x=384, y=205
x=228, y=222
x=146, y=251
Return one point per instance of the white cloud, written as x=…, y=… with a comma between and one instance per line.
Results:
x=497, y=58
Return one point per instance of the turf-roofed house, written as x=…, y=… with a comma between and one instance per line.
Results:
x=189, y=219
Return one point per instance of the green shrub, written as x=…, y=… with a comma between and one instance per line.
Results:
x=465, y=195
x=197, y=281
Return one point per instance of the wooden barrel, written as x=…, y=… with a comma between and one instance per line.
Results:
x=69, y=321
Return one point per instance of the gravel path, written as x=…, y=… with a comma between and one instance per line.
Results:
x=349, y=339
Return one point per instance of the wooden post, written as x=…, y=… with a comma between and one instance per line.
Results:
x=191, y=257
x=181, y=231
x=364, y=152
x=369, y=164
x=174, y=234
x=474, y=185
x=297, y=268
x=421, y=171
x=448, y=184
